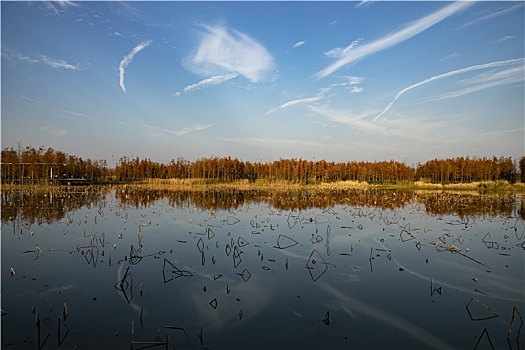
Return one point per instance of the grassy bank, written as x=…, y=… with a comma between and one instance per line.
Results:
x=203, y=184
x=245, y=185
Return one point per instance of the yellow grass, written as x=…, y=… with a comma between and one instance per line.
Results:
x=246, y=185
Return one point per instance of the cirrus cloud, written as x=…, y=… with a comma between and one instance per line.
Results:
x=227, y=51
x=215, y=80
x=127, y=60
x=503, y=78
x=349, y=55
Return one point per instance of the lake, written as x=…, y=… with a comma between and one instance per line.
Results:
x=120, y=268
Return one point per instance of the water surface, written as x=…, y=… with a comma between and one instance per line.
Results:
x=118, y=268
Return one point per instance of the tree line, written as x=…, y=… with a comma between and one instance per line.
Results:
x=30, y=165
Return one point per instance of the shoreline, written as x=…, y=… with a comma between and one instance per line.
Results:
x=244, y=185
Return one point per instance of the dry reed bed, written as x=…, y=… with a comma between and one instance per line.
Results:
x=246, y=185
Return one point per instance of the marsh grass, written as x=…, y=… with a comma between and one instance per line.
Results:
x=482, y=186
x=281, y=185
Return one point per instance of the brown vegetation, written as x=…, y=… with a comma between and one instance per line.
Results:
x=42, y=165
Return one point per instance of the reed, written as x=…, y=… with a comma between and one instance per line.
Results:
x=264, y=184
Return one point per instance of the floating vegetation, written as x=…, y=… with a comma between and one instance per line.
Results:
x=243, y=265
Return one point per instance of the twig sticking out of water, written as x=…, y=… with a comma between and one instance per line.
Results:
x=514, y=312
x=151, y=344
x=64, y=311
x=60, y=322
x=484, y=305
x=39, y=325
x=485, y=332
x=466, y=256
x=434, y=289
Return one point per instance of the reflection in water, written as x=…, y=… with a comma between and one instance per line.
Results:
x=110, y=267
x=47, y=207
x=351, y=305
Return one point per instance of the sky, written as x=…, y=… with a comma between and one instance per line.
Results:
x=259, y=81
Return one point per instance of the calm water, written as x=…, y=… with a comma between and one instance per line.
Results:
x=115, y=268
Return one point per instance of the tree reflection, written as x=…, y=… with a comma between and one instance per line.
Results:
x=31, y=206
x=35, y=206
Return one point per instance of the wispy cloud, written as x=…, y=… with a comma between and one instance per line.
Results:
x=295, y=102
x=354, y=80
x=163, y=131
x=126, y=10
x=349, y=56
x=502, y=132
x=339, y=52
x=226, y=51
x=127, y=60
x=364, y=3
x=196, y=127
x=56, y=132
x=58, y=63
x=449, y=74
x=215, y=80
x=66, y=3
x=273, y=143
x=505, y=38
x=297, y=44
x=322, y=93
x=31, y=100
x=52, y=62
x=414, y=129
x=57, y=8
x=339, y=116
x=492, y=15
x=452, y=55
x=486, y=81
x=60, y=110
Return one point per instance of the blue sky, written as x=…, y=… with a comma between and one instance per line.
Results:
x=409, y=81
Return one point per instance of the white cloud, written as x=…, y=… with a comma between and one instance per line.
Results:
x=348, y=56
x=163, y=131
x=56, y=132
x=215, y=80
x=321, y=93
x=273, y=143
x=127, y=60
x=354, y=80
x=364, y=3
x=58, y=63
x=417, y=129
x=60, y=132
x=223, y=51
x=452, y=55
x=31, y=100
x=485, y=81
x=339, y=52
x=502, y=132
x=448, y=74
x=196, y=127
x=51, y=9
x=506, y=37
x=55, y=63
x=295, y=102
x=492, y=15
x=297, y=44
x=65, y=3
x=60, y=110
